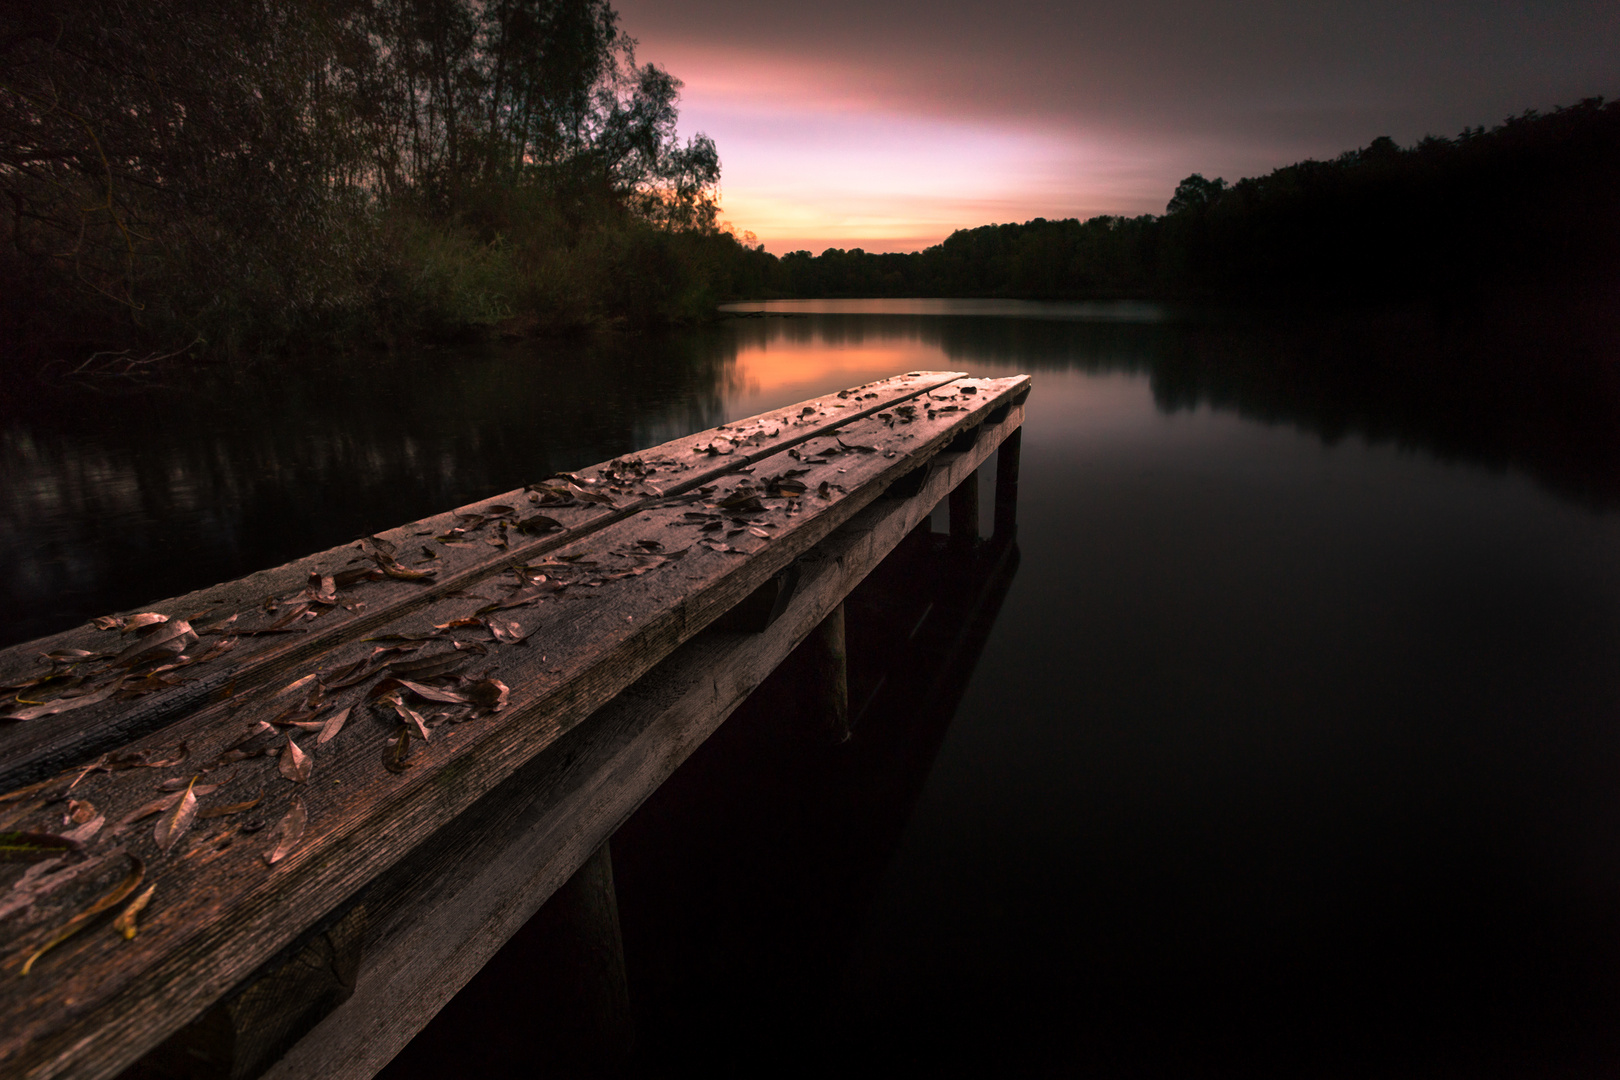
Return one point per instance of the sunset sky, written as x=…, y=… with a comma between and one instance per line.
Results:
x=885, y=125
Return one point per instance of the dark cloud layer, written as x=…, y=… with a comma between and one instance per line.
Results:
x=1142, y=92
x=1262, y=68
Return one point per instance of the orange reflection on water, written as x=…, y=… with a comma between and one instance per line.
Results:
x=770, y=371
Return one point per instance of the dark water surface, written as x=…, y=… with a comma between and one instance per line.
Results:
x=1294, y=747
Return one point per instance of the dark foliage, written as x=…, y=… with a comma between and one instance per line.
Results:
x=178, y=172
x=1531, y=203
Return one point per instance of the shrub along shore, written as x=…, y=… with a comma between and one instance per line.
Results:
x=178, y=177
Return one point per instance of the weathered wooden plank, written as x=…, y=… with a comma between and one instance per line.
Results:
x=220, y=912
x=249, y=617
x=440, y=915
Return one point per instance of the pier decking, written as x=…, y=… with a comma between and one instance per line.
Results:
x=343, y=783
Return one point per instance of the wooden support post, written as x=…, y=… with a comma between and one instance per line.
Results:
x=829, y=664
x=965, y=512
x=554, y=995
x=1007, y=485
x=583, y=1005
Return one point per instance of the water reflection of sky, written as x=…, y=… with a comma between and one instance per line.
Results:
x=1299, y=714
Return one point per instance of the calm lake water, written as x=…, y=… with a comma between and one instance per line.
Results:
x=1295, y=744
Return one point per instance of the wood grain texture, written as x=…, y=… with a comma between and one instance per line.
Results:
x=440, y=915
x=615, y=603
x=263, y=648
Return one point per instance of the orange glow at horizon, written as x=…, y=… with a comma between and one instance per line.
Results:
x=813, y=158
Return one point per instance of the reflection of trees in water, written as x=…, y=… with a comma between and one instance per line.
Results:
x=1536, y=388
x=116, y=501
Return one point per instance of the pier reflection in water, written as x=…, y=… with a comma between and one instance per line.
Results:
x=1291, y=746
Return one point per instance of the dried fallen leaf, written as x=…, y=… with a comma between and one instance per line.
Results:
x=539, y=523
x=397, y=752
x=83, y=918
x=293, y=689
x=180, y=754
x=295, y=765
x=125, y=923
x=44, y=878
x=62, y=705
x=160, y=641
x=84, y=832
x=227, y=811
x=167, y=801
x=288, y=833
x=403, y=573
x=173, y=825
x=28, y=847
x=333, y=725
x=322, y=590
x=145, y=618
x=506, y=631
x=488, y=694
x=433, y=693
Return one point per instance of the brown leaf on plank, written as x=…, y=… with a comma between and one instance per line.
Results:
x=334, y=724
x=434, y=693
x=322, y=589
x=64, y=704
x=427, y=667
x=227, y=811
x=84, y=832
x=506, y=631
x=464, y=623
x=397, y=752
x=403, y=573
x=173, y=825
x=73, y=656
x=125, y=923
x=160, y=642
x=288, y=833
x=44, y=878
x=294, y=764
x=180, y=754
x=29, y=847
x=747, y=501
x=489, y=695
x=540, y=523
x=144, y=619
x=84, y=918
x=344, y=578
x=157, y=806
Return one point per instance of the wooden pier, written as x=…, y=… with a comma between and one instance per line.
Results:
x=287, y=818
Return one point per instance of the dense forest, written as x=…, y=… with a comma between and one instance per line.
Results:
x=1532, y=203
x=188, y=178
x=184, y=174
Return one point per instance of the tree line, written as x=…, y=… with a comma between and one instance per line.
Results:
x=238, y=175
x=197, y=177
x=1530, y=203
